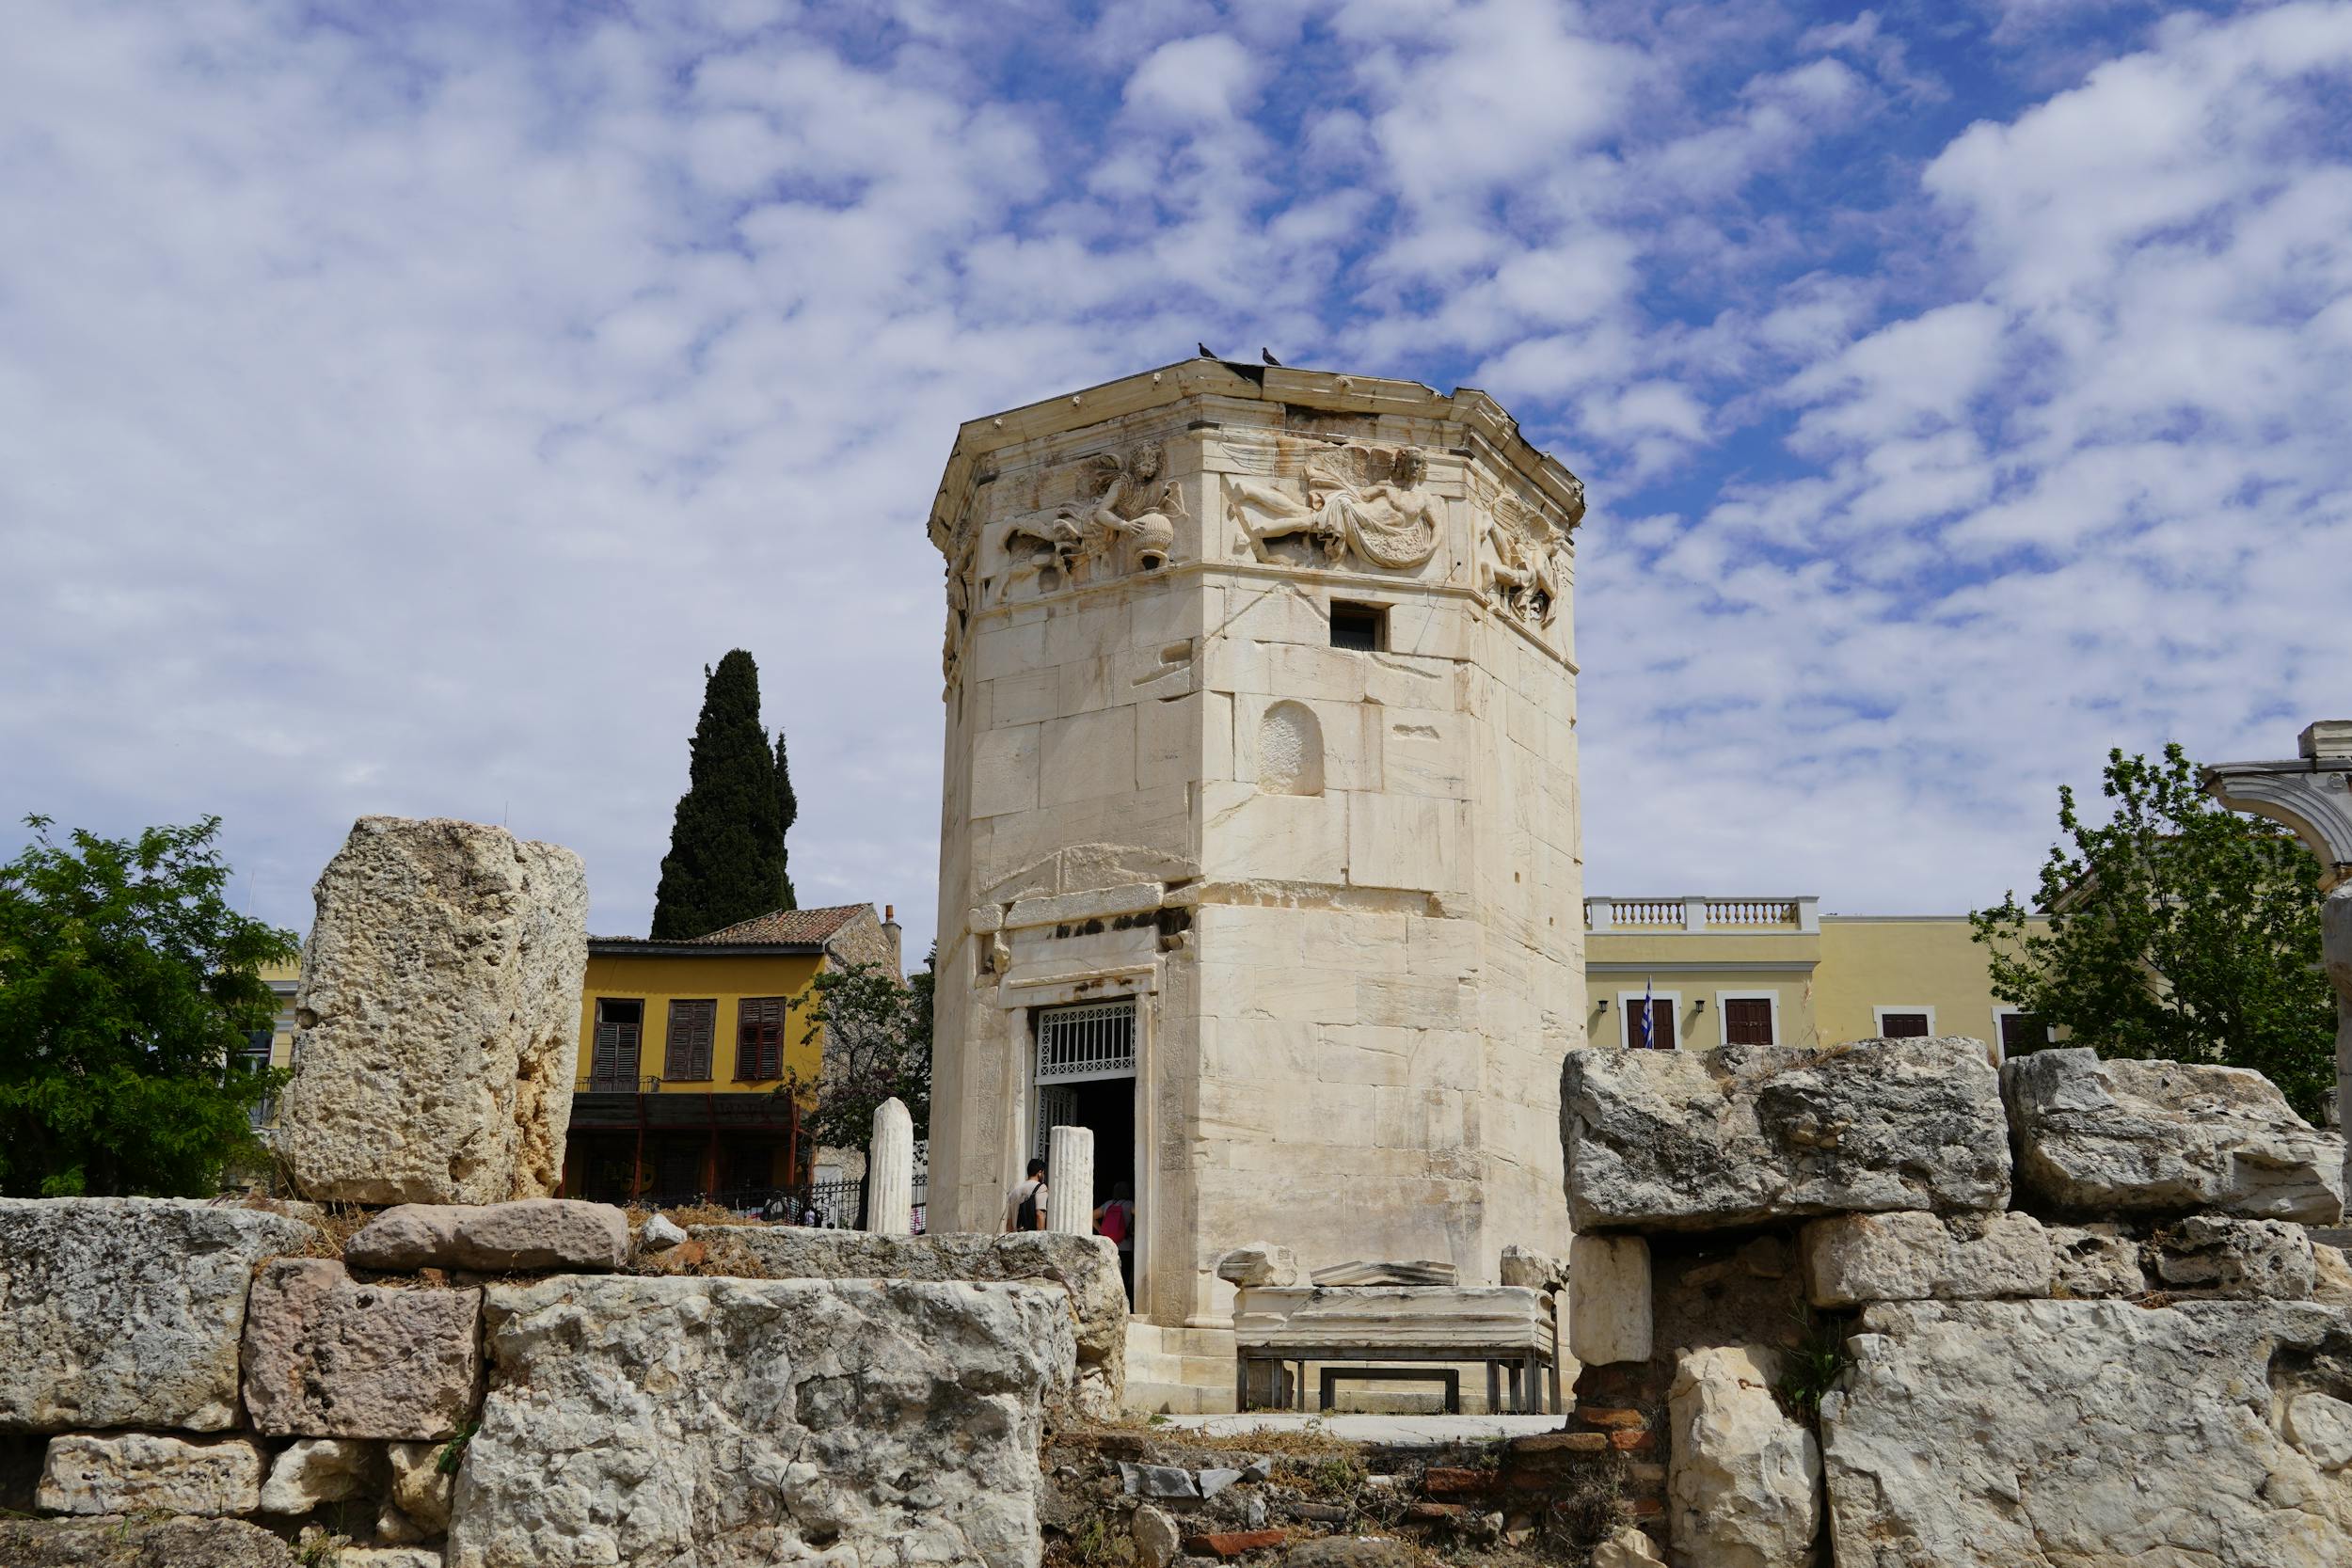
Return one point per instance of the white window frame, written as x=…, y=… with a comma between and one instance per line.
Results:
x=1878, y=1015
x=1625, y=1015
x=1722, y=1014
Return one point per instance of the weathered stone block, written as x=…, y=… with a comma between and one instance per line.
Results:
x=325, y=1356
x=1083, y=1268
x=2208, y=1255
x=388, y=1556
x=127, y=1311
x=422, y=1490
x=1697, y=1140
x=2095, y=1433
x=1258, y=1263
x=140, y=1543
x=1609, y=1299
x=1536, y=1270
x=1911, y=1256
x=141, y=1472
x=1743, y=1479
x=759, y=1420
x=541, y=1233
x=441, y=1008
x=2331, y=1276
x=2093, y=1261
x=315, y=1470
x=2165, y=1137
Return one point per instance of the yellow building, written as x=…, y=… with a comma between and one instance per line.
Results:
x=1777, y=972
x=697, y=1060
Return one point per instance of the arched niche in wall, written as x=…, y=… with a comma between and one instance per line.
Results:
x=1290, y=751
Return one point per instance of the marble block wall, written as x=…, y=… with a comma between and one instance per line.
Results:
x=1342, y=884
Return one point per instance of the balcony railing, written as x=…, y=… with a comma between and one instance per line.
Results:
x=600, y=1082
x=1800, y=915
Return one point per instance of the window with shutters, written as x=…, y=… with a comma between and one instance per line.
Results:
x=759, y=1037
x=1659, y=1011
x=1905, y=1023
x=620, y=1030
x=694, y=1030
x=2021, y=1033
x=1747, y=1020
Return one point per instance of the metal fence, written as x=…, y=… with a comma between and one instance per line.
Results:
x=828, y=1205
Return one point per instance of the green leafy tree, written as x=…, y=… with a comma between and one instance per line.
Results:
x=877, y=1046
x=2177, y=930
x=726, y=863
x=128, y=991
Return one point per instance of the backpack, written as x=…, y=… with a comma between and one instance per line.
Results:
x=1025, y=1218
x=1115, y=1220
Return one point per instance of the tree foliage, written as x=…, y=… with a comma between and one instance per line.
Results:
x=128, y=991
x=2177, y=930
x=787, y=812
x=726, y=863
x=877, y=1047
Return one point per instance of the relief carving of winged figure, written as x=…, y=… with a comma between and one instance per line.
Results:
x=1133, y=513
x=1370, y=499
x=1524, y=574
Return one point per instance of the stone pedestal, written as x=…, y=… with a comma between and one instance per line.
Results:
x=890, y=1172
x=1258, y=839
x=1070, y=1181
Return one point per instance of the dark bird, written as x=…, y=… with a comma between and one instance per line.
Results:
x=1268, y=355
x=1206, y=352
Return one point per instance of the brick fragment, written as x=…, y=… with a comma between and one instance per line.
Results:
x=1231, y=1543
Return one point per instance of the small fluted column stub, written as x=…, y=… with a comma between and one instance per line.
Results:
x=890, y=1172
x=1070, y=1181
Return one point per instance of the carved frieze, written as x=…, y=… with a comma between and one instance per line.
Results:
x=1350, y=503
x=1522, y=562
x=1124, y=520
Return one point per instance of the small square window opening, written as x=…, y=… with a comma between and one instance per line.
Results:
x=1362, y=626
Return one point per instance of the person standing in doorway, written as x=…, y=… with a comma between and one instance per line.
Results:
x=1116, y=1219
x=1024, y=1206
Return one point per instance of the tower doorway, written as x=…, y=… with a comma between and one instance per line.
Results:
x=1085, y=1076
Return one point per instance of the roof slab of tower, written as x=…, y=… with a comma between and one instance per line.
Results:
x=981, y=442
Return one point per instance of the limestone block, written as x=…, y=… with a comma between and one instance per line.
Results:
x=1407, y=841
x=1156, y=1539
x=2165, y=1137
x=1699, y=1140
x=1609, y=1299
x=125, y=1542
x=2331, y=1276
x=142, y=1472
x=440, y=999
x=1292, y=838
x=1084, y=1269
x=314, y=1470
x=759, y=1422
x=388, y=1556
x=2208, y=1255
x=1911, y=1256
x=422, y=1490
x=1538, y=1270
x=325, y=1356
x=1626, y=1547
x=1003, y=771
x=659, y=1232
x=1258, y=1263
x=494, y=1238
x=1086, y=756
x=1743, y=1480
x=2096, y=1433
x=127, y=1311
x=1474, y=1316
x=2091, y=1261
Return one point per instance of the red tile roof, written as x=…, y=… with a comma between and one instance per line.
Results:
x=790, y=925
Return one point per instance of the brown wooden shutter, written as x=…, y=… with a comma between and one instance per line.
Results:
x=2022, y=1032
x=620, y=1030
x=1904, y=1026
x=1748, y=1020
x=694, y=1031
x=759, y=1038
x=1661, y=1019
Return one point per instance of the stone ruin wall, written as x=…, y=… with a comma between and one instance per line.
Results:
x=1341, y=886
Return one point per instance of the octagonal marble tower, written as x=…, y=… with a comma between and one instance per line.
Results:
x=1259, y=851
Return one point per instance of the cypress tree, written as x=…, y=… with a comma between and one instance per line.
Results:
x=787, y=811
x=726, y=844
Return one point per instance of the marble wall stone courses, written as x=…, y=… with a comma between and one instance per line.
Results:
x=1005, y=771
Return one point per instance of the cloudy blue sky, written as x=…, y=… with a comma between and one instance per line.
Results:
x=399, y=405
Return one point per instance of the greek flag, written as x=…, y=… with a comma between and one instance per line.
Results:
x=1649, y=1034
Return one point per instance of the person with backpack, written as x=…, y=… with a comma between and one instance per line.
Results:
x=1024, y=1206
x=1116, y=1220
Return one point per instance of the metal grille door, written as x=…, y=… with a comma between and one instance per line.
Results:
x=1076, y=1044
x=1057, y=1106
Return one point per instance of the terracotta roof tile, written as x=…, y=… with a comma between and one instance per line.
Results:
x=790, y=925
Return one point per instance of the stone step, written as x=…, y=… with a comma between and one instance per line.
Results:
x=1178, y=1398
x=1179, y=1341
x=1205, y=1371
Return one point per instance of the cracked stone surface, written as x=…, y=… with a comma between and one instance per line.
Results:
x=127, y=1311
x=708, y=1420
x=326, y=1357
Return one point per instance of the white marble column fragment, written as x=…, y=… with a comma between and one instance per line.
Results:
x=1070, y=1181
x=890, y=1172
x=2313, y=795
